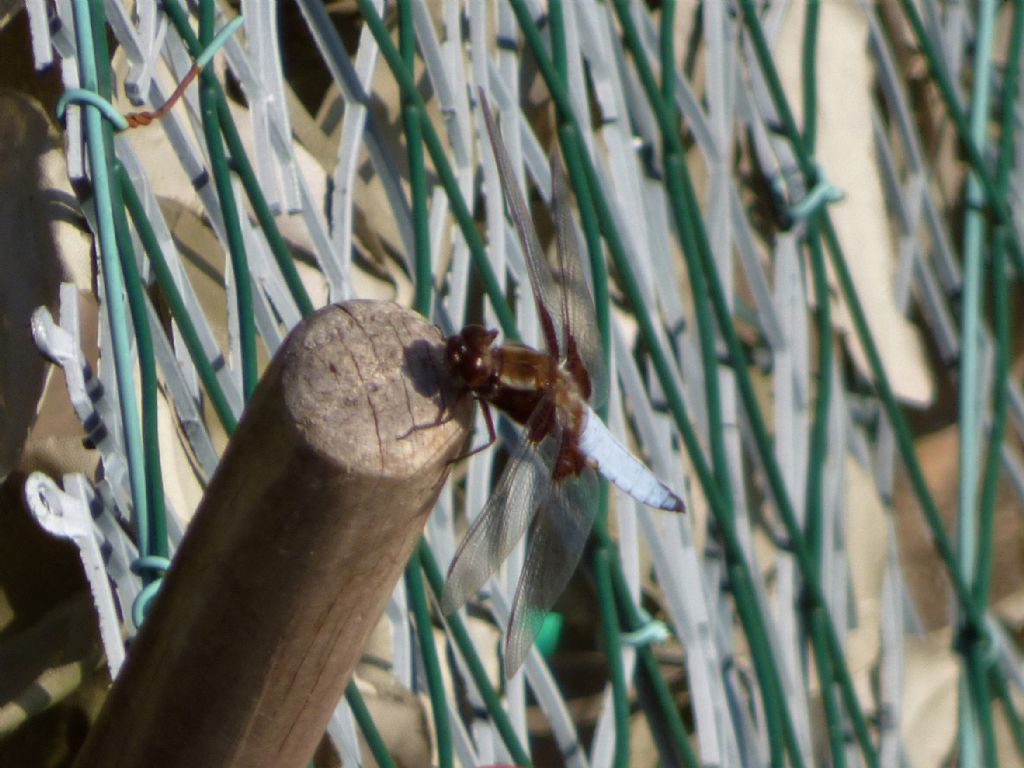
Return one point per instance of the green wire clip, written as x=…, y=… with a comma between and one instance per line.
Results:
x=152, y=564
x=651, y=631
x=85, y=96
x=823, y=193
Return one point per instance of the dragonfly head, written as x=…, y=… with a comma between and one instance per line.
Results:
x=468, y=353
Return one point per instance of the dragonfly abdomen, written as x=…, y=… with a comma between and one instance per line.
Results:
x=622, y=468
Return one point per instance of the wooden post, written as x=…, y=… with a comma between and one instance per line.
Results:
x=303, y=532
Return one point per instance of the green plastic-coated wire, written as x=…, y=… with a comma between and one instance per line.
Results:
x=683, y=753
x=983, y=672
x=761, y=437
x=247, y=175
x=973, y=615
x=243, y=168
x=412, y=119
x=363, y=719
x=695, y=244
x=971, y=301
x=634, y=621
x=152, y=535
x=813, y=502
x=1000, y=400
x=613, y=651
x=179, y=311
x=667, y=58
x=113, y=281
x=751, y=620
x=745, y=603
x=975, y=712
x=221, y=172
x=481, y=263
x=574, y=154
x=425, y=635
x=823, y=662
x=693, y=239
x=764, y=667
x=689, y=226
x=979, y=166
x=612, y=634
x=763, y=444
x=975, y=703
x=904, y=442
x=818, y=448
x=1000, y=318
x=157, y=544
x=606, y=602
x=476, y=670
x=809, y=69
x=1002, y=691
x=747, y=607
x=667, y=53
x=1011, y=78
x=421, y=241
x=599, y=279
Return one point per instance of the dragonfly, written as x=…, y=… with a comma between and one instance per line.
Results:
x=549, y=484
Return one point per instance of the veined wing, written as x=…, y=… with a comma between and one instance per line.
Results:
x=546, y=296
x=503, y=519
x=579, y=325
x=557, y=537
x=621, y=467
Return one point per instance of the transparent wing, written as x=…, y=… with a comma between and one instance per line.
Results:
x=579, y=324
x=546, y=295
x=557, y=537
x=503, y=519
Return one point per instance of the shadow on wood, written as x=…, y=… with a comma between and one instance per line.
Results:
x=303, y=532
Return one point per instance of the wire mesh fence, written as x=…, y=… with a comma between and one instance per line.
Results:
x=779, y=298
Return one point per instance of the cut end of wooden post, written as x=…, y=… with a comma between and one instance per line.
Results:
x=366, y=383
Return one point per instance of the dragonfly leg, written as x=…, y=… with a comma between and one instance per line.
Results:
x=444, y=415
x=491, y=434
